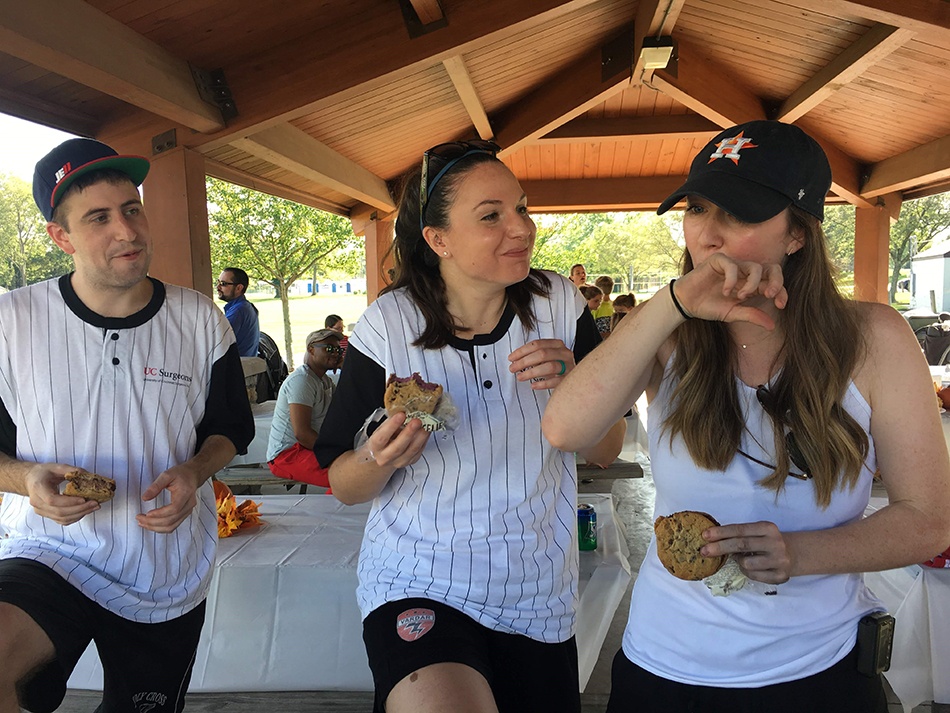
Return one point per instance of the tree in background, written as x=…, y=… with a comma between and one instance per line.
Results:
x=920, y=221
x=631, y=246
x=274, y=240
x=27, y=255
x=838, y=227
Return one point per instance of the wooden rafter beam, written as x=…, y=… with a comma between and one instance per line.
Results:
x=600, y=194
x=565, y=96
x=929, y=163
x=279, y=85
x=77, y=41
x=462, y=80
x=876, y=44
x=586, y=129
x=292, y=149
x=922, y=16
x=238, y=177
x=655, y=18
x=710, y=90
x=42, y=112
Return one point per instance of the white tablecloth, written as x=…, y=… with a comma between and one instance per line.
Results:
x=919, y=599
x=282, y=611
x=257, y=450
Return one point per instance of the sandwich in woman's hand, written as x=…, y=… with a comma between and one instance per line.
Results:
x=419, y=399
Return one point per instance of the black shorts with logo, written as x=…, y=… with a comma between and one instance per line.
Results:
x=524, y=674
x=147, y=667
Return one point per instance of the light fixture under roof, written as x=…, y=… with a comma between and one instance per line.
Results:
x=656, y=52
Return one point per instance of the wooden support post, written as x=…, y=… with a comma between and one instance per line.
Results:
x=177, y=209
x=872, y=235
x=379, y=238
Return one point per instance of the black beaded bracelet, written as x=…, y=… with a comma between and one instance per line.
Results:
x=676, y=302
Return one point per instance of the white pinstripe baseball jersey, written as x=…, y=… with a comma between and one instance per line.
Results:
x=126, y=398
x=485, y=521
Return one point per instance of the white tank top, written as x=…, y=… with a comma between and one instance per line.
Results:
x=680, y=631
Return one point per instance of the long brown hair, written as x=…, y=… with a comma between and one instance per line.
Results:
x=823, y=345
x=417, y=266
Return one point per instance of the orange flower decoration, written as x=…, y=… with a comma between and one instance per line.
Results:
x=231, y=516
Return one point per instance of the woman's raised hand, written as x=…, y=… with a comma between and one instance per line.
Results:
x=725, y=290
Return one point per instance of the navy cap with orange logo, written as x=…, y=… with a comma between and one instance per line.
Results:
x=756, y=170
x=71, y=159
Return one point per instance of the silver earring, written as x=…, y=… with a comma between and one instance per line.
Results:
x=445, y=253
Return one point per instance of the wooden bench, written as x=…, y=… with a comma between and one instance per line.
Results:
x=253, y=475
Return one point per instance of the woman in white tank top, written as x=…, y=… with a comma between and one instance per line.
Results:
x=773, y=403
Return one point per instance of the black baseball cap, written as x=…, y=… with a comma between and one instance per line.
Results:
x=60, y=167
x=756, y=170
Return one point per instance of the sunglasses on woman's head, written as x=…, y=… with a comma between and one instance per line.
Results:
x=437, y=161
x=767, y=400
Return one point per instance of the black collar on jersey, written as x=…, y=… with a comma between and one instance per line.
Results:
x=500, y=330
x=78, y=308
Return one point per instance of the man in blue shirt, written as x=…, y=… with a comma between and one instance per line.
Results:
x=232, y=284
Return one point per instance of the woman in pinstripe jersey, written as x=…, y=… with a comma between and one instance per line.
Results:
x=468, y=567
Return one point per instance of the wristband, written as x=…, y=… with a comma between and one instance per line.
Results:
x=676, y=302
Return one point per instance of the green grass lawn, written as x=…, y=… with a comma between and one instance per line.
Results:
x=306, y=314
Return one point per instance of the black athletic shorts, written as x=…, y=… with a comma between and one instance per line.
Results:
x=143, y=664
x=524, y=674
x=838, y=689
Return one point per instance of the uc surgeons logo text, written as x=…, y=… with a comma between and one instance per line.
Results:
x=158, y=374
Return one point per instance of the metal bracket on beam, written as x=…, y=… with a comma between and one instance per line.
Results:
x=213, y=88
x=164, y=142
x=414, y=25
x=616, y=56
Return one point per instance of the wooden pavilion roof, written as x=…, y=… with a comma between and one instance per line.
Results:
x=329, y=103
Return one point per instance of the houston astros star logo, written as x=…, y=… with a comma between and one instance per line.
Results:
x=730, y=148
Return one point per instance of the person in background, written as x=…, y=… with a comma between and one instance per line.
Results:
x=622, y=305
x=469, y=564
x=578, y=275
x=594, y=297
x=603, y=315
x=774, y=401
x=140, y=382
x=300, y=410
x=232, y=285
x=335, y=322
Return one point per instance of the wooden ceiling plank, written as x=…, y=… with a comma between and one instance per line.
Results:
x=73, y=39
x=876, y=44
x=601, y=194
x=924, y=16
x=278, y=85
x=563, y=97
x=585, y=128
x=429, y=11
x=929, y=163
x=462, y=81
x=229, y=173
x=292, y=149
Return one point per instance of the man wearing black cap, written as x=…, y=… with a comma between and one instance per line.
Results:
x=109, y=371
x=300, y=410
